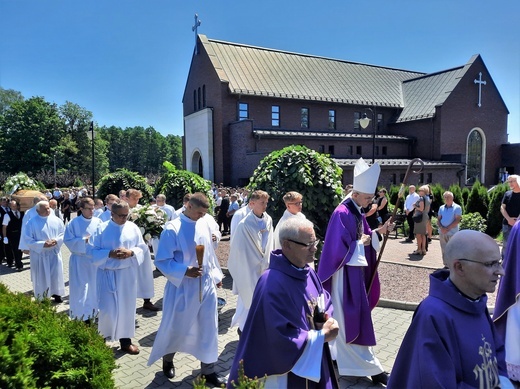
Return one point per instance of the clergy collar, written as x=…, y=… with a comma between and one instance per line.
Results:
x=463, y=294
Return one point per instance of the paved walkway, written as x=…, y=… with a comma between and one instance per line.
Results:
x=133, y=372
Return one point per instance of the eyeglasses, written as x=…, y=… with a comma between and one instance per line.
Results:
x=489, y=265
x=125, y=215
x=308, y=245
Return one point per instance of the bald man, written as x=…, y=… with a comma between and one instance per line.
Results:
x=452, y=341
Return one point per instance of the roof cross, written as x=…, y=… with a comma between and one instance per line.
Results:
x=195, y=28
x=480, y=83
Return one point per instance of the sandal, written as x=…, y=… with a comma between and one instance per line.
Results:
x=417, y=252
x=424, y=253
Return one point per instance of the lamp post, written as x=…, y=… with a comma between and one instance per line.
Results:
x=364, y=122
x=91, y=135
x=55, y=169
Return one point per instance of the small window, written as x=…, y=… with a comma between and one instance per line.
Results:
x=304, y=117
x=376, y=150
x=199, y=104
x=321, y=148
x=195, y=99
x=243, y=111
x=421, y=177
x=401, y=177
x=350, y=150
x=430, y=178
x=380, y=123
x=359, y=150
x=331, y=150
x=275, y=116
x=394, y=177
x=204, y=96
x=357, y=116
x=385, y=151
x=332, y=119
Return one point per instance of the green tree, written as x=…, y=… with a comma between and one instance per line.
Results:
x=298, y=168
x=174, y=143
x=30, y=131
x=7, y=98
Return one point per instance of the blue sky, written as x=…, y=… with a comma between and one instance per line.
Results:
x=127, y=60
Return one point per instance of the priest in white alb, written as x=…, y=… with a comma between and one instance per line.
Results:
x=43, y=235
x=82, y=271
x=190, y=321
x=117, y=248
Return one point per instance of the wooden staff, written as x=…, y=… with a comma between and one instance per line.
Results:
x=397, y=203
x=199, y=249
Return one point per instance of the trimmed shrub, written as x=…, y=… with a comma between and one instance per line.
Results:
x=473, y=221
x=297, y=168
x=174, y=184
x=494, y=216
x=42, y=349
x=465, y=196
x=112, y=183
x=477, y=200
x=437, y=200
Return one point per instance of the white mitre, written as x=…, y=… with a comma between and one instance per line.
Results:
x=366, y=177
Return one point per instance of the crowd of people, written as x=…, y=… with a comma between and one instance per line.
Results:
x=298, y=326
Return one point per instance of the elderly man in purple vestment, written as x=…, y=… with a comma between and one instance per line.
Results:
x=347, y=264
x=289, y=324
x=507, y=306
x=452, y=342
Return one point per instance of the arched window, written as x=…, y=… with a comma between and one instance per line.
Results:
x=475, y=157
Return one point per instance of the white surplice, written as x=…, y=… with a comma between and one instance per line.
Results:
x=46, y=262
x=116, y=279
x=188, y=324
x=145, y=287
x=286, y=215
x=249, y=253
x=28, y=215
x=82, y=272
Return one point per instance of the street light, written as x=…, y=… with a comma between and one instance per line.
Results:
x=55, y=169
x=91, y=135
x=364, y=122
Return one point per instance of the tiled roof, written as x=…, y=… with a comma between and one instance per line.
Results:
x=325, y=134
x=421, y=95
x=260, y=71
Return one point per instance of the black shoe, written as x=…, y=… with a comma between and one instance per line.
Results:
x=57, y=299
x=429, y=240
x=18, y=269
x=408, y=240
x=215, y=380
x=168, y=369
x=381, y=378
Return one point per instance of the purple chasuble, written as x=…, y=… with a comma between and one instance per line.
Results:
x=343, y=231
x=451, y=343
x=509, y=286
x=275, y=333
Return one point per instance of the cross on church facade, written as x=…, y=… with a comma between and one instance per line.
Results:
x=195, y=28
x=480, y=83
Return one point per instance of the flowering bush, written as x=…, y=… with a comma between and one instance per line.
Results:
x=149, y=219
x=18, y=182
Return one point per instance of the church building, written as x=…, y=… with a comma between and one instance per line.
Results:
x=242, y=102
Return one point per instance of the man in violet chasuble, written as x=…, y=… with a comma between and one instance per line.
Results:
x=289, y=325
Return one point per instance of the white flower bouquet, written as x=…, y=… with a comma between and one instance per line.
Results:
x=18, y=182
x=150, y=221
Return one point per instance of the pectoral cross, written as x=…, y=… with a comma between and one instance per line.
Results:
x=195, y=28
x=480, y=83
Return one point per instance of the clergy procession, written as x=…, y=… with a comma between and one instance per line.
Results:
x=291, y=324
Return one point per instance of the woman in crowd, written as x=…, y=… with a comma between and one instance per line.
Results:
x=422, y=206
x=382, y=205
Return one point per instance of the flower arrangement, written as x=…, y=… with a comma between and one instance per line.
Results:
x=149, y=219
x=18, y=182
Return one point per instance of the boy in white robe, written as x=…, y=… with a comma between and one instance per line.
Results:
x=189, y=323
x=43, y=235
x=249, y=253
x=117, y=248
x=82, y=272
